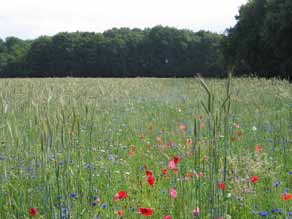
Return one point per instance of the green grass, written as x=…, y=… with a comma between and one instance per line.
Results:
x=64, y=141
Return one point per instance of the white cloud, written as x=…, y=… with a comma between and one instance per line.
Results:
x=31, y=18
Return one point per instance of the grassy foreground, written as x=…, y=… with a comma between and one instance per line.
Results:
x=104, y=148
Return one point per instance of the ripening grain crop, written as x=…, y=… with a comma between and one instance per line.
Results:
x=145, y=147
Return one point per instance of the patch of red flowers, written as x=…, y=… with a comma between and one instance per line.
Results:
x=254, y=179
x=132, y=152
x=173, y=163
x=121, y=195
x=146, y=211
x=151, y=180
x=149, y=173
x=33, y=212
x=176, y=159
x=222, y=186
x=259, y=148
x=121, y=213
x=286, y=197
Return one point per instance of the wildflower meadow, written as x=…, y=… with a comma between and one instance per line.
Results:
x=145, y=148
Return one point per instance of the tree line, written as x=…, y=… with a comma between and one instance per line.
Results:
x=261, y=41
x=259, y=44
x=159, y=51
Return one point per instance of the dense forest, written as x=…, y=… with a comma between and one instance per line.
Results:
x=261, y=41
x=259, y=44
x=160, y=51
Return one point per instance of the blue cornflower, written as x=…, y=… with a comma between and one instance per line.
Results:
x=277, y=210
x=88, y=166
x=264, y=213
x=277, y=183
x=73, y=195
x=93, y=204
x=290, y=172
x=103, y=205
x=64, y=213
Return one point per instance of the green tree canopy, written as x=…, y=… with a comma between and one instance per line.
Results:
x=118, y=52
x=261, y=41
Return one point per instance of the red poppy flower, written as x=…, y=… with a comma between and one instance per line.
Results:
x=172, y=165
x=146, y=211
x=121, y=195
x=33, y=212
x=164, y=171
x=255, y=179
x=131, y=154
x=176, y=159
x=149, y=173
x=222, y=186
x=121, y=213
x=151, y=180
x=286, y=197
x=259, y=148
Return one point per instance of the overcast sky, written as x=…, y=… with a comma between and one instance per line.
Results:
x=29, y=19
